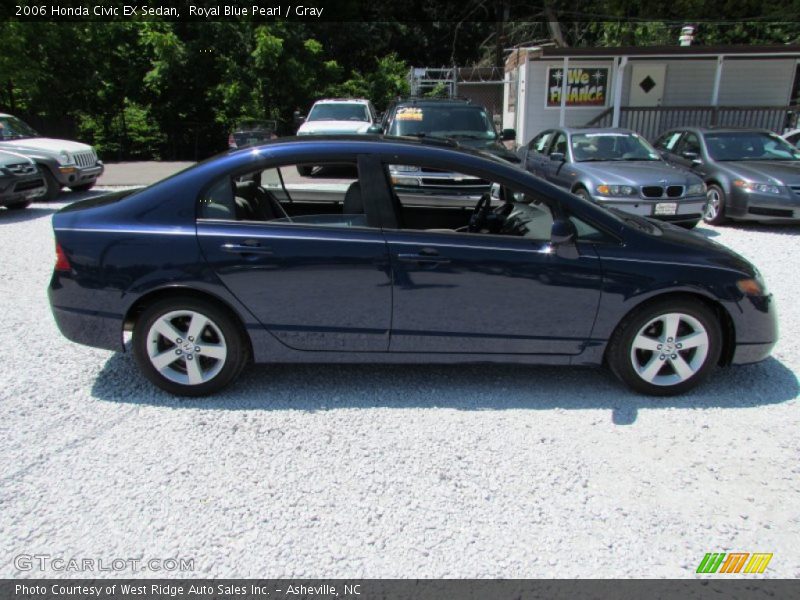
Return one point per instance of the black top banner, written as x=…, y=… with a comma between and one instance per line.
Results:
x=455, y=11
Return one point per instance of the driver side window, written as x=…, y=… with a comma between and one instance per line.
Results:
x=449, y=202
x=559, y=145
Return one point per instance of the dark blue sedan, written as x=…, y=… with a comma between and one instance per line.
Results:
x=241, y=258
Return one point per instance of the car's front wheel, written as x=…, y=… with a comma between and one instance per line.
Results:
x=53, y=187
x=188, y=346
x=667, y=347
x=714, y=213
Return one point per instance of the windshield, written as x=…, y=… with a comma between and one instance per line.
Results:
x=464, y=122
x=749, y=145
x=587, y=147
x=338, y=112
x=11, y=128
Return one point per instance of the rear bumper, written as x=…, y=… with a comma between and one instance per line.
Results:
x=85, y=326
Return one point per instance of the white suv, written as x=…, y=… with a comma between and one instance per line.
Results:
x=339, y=116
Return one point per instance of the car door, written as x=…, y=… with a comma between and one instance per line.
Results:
x=534, y=155
x=458, y=292
x=556, y=171
x=316, y=284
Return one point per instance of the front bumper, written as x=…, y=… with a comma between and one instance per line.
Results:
x=14, y=190
x=756, y=329
x=687, y=209
x=767, y=208
x=70, y=175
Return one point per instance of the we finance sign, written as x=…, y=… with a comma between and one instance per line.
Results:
x=585, y=86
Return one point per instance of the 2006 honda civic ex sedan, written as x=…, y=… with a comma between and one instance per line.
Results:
x=239, y=258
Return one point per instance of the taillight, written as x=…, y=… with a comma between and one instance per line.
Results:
x=232, y=141
x=62, y=263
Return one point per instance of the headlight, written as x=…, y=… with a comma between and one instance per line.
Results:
x=696, y=189
x=616, y=190
x=403, y=168
x=751, y=287
x=64, y=158
x=763, y=188
x=405, y=181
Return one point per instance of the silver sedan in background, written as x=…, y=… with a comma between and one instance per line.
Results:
x=616, y=168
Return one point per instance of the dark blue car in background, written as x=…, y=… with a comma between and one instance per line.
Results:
x=239, y=259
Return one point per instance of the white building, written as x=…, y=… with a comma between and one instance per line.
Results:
x=650, y=89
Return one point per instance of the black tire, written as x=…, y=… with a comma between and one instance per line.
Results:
x=689, y=224
x=53, y=187
x=221, y=322
x=19, y=205
x=83, y=188
x=620, y=354
x=715, y=215
x=305, y=171
x=582, y=193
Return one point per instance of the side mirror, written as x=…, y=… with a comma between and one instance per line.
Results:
x=562, y=239
x=558, y=156
x=508, y=135
x=375, y=129
x=562, y=232
x=692, y=156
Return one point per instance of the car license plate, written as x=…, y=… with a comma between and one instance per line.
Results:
x=666, y=208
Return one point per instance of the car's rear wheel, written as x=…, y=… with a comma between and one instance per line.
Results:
x=188, y=346
x=667, y=347
x=53, y=187
x=19, y=205
x=83, y=188
x=714, y=213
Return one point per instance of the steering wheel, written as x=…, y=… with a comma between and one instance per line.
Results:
x=479, y=215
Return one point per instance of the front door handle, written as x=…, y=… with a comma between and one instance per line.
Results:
x=424, y=257
x=248, y=247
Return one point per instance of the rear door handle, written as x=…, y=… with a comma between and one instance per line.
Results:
x=248, y=247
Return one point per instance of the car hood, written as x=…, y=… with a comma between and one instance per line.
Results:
x=12, y=158
x=333, y=127
x=776, y=172
x=636, y=173
x=40, y=144
x=705, y=250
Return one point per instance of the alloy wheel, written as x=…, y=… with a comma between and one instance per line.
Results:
x=713, y=205
x=186, y=347
x=669, y=349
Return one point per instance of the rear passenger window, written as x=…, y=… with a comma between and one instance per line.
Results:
x=303, y=194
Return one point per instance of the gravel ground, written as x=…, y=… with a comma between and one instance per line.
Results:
x=369, y=471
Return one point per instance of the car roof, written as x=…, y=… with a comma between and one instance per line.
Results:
x=571, y=130
x=342, y=100
x=721, y=129
x=435, y=102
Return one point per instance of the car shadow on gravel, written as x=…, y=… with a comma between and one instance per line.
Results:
x=9, y=217
x=462, y=387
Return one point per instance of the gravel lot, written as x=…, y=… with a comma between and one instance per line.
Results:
x=368, y=471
